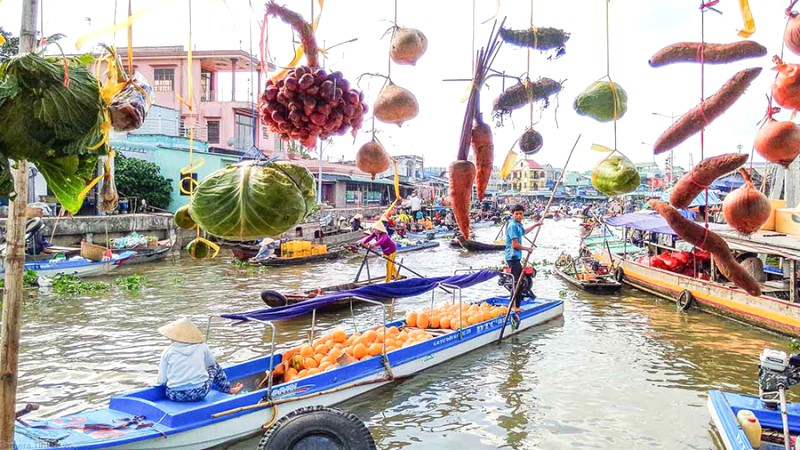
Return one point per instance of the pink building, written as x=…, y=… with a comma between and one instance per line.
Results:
x=219, y=116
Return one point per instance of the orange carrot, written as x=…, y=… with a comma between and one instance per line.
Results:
x=484, y=155
x=462, y=175
x=711, y=242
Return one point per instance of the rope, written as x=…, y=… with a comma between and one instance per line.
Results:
x=703, y=7
x=389, y=62
x=535, y=39
x=608, y=72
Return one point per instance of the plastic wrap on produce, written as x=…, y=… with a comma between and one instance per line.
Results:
x=129, y=108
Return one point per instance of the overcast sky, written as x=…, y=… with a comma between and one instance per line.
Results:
x=638, y=29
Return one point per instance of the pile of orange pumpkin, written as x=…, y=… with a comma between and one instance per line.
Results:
x=449, y=317
x=324, y=353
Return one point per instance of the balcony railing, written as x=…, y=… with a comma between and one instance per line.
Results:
x=208, y=95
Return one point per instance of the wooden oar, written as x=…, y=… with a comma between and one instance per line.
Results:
x=518, y=283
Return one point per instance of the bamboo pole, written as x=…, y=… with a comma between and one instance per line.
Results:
x=15, y=260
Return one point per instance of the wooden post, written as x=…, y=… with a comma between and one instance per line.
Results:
x=15, y=260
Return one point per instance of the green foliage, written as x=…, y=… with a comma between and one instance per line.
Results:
x=131, y=283
x=10, y=47
x=71, y=285
x=29, y=279
x=139, y=178
x=794, y=345
x=49, y=124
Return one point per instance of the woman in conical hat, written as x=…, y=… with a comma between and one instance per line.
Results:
x=188, y=369
x=387, y=245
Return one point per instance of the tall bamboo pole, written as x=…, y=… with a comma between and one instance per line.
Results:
x=15, y=260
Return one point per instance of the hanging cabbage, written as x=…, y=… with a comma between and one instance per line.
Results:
x=248, y=201
x=52, y=120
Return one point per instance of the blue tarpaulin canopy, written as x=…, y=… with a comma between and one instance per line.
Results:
x=641, y=221
x=397, y=289
x=700, y=200
x=727, y=184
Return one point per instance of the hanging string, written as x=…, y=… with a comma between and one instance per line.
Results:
x=614, y=94
x=535, y=38
x=473, y=33
x=702, y=51
x=389, y=62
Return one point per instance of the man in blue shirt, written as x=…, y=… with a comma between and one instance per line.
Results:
x=514, y=248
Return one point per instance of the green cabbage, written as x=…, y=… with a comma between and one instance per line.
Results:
x=49, y=124
x=598, y=100
x=615, y=175
x=247, y=201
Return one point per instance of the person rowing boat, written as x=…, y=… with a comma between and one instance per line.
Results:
x=387, y=245
x=514, y=234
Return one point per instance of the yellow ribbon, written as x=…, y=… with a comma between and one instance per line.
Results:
x=508, y=164
x=601, y=148
x=117, y=27
x=747, y=17
x=2, y=39
x=214, y=247
x=396, y=191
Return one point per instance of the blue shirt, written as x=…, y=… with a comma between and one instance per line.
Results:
x=515, y=230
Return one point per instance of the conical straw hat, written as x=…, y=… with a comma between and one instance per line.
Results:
x=182, y=330
x=378, y=225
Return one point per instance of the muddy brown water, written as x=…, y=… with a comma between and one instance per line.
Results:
x=617, y=371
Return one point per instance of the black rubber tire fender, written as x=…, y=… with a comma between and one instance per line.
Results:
x=684, y=300
x=318, y=428
x=619, y=274
x=273, y=298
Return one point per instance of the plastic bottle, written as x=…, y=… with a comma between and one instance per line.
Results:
x=750, y=426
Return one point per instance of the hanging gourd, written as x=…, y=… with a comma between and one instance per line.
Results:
x=372, y=158
x=603, y=101
x=309, y=103
x=395, y=105
x=615, y=175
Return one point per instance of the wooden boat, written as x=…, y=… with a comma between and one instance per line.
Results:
x=566, y=267
x=274, y=298
x=145, y=419
x=78, y=266
x=274, y=261
x=437, y=233
x=776, y=309
x=149, y=254
x=475, y=246
x=416, y=246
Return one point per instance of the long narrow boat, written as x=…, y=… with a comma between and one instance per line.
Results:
x=413, y=247
x=776, y=309
x=79, y=267
x=275, y=261
x=602, y=284
x=274, y=298
x=475, y=246
x=145, y=419
x=437, y=233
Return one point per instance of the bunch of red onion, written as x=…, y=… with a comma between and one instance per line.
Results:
x=310, y=103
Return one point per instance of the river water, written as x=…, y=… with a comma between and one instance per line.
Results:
x=618, y=371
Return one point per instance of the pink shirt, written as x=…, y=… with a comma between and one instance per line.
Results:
x=383, y=240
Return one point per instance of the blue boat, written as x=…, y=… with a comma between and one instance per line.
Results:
x=415, y=246
x=77, y=266
x=145, y=419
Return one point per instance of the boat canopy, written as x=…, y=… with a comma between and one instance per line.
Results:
x=642, y=221
x=397, y=289
x=700, y=200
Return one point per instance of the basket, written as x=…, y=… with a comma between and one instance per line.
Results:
x=93, y=252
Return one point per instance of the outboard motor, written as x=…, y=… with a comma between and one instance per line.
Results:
x=507, y=281
x=777, y=373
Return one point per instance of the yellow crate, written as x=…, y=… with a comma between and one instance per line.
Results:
x=769, y=225
x=787, y=220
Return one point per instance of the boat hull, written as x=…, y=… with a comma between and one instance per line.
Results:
x=599, y=286
x=198, y=429
x=723, y=407
x=765, y=312
x=278, y=262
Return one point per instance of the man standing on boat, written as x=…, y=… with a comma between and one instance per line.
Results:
x=514, y=248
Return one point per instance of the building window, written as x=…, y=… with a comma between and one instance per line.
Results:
x=213, y=131
x=243, y=130
x=206, y=86
x=164, y=80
